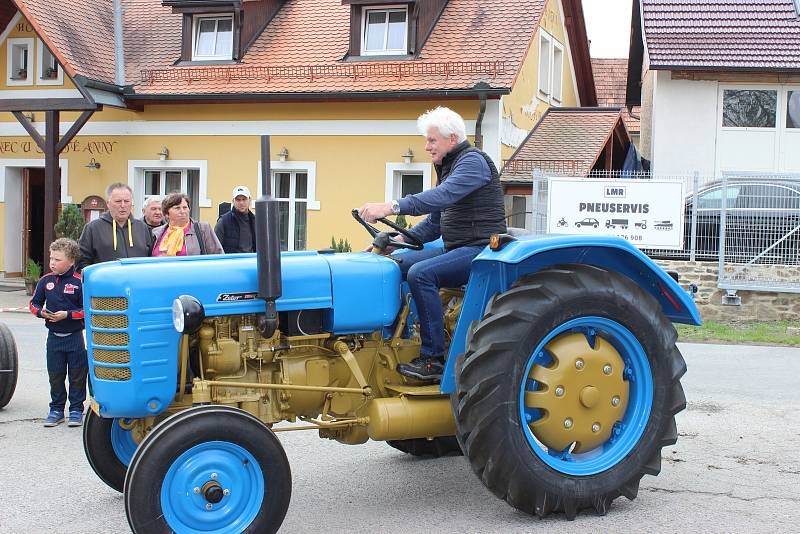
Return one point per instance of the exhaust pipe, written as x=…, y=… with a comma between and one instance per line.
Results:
x=268, y=247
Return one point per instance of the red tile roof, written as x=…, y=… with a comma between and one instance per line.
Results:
x=489, y=43
x=728, y=34
x=565, y=141
x=79, y=32
x=472, y=42
x=610, y=77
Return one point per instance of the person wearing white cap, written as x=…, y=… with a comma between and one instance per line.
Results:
x=236, y=230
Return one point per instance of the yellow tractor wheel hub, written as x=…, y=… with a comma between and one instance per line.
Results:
x=581, y=395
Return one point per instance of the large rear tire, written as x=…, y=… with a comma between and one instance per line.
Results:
x=567, y=391
x=109, y=447
x=208, y=469
x=435, y=448
x=9, y=365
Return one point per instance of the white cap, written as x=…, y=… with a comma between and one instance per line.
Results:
x=240, y=190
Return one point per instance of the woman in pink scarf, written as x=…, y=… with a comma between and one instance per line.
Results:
x=182, y=236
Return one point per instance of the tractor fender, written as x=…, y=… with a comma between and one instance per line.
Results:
x=496, y=271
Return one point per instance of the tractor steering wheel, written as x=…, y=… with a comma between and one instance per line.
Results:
x=382, y=240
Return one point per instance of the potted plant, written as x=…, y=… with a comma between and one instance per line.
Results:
x=33, y=271
x=70, y=222
x=22, y=74
x=50, y=73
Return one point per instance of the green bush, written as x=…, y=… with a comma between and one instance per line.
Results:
x=33, y=270
x=342, y=246
x=70, y=223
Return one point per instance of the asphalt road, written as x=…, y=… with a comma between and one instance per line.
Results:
x=736, y=466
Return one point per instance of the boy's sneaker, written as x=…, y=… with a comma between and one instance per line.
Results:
x=423, y=368
x=54, y=418
x=75, y=419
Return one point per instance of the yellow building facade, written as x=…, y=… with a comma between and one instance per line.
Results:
x=326, y=157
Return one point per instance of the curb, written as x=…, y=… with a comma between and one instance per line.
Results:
x=23, y=309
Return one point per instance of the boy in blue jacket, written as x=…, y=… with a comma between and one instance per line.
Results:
x=58, y=300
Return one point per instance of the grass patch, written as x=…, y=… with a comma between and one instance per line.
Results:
x=766, y=333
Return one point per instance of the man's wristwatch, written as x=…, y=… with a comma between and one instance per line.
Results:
x=395, y=207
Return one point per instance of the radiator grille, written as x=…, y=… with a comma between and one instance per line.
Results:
x=109, y=321
x=111, y=356
x=110, y=303
x=112, y=373
x=119, y=339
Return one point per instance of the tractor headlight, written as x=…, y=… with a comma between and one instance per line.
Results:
x=187, y=314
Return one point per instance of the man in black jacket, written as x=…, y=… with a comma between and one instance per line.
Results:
x=116, y=234
x=236, y=230
x=464, y=209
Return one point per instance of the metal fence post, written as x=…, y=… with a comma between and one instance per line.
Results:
x=722, y=220
x=536, y=177
x=693, y=242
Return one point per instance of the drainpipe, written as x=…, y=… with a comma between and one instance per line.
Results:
x=479, y=121
x=119, y=55
x=481, y=89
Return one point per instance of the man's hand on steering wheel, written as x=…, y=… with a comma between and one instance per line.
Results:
x=399, y=238
x=372, y=211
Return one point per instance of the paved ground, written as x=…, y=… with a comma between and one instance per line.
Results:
x=735, y=467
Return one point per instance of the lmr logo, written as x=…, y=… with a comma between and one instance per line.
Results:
x=614, y=191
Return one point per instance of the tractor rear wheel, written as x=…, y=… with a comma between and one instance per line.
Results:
x=208, y=469
x=9, y=365
x=567, y=391
x=109, y=446
x=436, y=447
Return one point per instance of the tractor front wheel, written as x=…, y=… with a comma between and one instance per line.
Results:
x=9, y=365
x=208, y=469
x=567, y=391
x=109, y=446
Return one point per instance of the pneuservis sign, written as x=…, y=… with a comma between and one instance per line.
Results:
x=647, y=213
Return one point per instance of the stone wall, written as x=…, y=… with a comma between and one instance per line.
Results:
x=755, y=305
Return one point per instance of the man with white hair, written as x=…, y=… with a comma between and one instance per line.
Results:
x=115, y=234
x=151, y=211
x=464, y=209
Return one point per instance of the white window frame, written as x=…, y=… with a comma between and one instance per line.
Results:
x=394, y=171
x=384, y=51
x=544, y=91
x=196, y=27
x=291, y=200
x=557, y=97
x=309, y=167
x=40, y=66
x=312, y=204
x=162, y=186
x=553, y=94
x=30, y=68
x=136, y=169
x=780, y=108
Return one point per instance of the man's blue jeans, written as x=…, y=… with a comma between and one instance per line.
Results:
x=426, y=271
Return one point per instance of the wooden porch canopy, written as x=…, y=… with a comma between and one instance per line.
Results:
x=52, y=144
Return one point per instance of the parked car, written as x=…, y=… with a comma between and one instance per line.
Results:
x=588, y=221
x=762, y=219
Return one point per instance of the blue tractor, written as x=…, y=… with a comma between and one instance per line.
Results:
x=560, y=388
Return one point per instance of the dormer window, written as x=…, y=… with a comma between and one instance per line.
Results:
x=385, y=31
x=379, y=29
x=213, y=38
x=19, y=61
x=49, y=72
